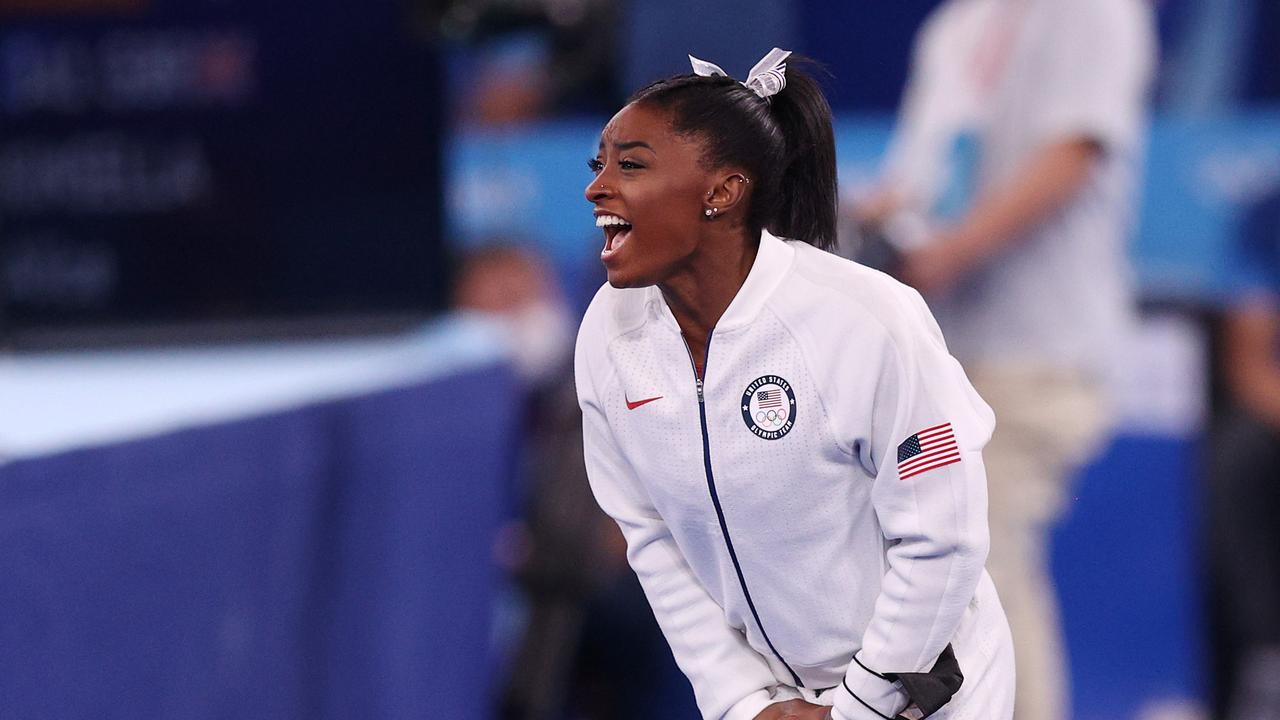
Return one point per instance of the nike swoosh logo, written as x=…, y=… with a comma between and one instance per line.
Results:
x=638, y=403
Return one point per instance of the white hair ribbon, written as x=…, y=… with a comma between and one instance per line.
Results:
x=705, y=69
x=769, y=76
x=766, y=79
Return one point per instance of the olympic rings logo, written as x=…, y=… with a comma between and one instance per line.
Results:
x=769, y=407
x=771, y=418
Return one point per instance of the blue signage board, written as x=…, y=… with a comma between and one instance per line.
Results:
x=1201, y=179
x=187, y=161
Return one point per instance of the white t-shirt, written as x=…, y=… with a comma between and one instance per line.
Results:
x=1017, y=75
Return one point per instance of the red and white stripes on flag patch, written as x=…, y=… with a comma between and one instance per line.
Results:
x=927, y=450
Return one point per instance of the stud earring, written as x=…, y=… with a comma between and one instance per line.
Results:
x=710, y=212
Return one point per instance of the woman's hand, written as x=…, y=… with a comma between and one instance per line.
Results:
x=801, y=710
x=795, y=710
x=912, y=712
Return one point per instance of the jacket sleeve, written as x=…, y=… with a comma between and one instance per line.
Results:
x=730, y=680
x=930, y=497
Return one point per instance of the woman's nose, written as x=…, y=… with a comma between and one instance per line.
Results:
x=597, y=190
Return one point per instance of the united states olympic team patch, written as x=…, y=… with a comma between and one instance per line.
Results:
x=769, y=407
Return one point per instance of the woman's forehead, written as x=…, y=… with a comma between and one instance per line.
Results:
x=633, y=119
x=644, y=124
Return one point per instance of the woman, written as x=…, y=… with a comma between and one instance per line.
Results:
x=805, y=505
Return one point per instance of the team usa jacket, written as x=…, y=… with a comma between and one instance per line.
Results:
x=808, y=519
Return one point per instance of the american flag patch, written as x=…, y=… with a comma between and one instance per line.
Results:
x=928, y=449
x=769, y=399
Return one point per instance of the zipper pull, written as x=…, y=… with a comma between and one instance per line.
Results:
x=699, y=390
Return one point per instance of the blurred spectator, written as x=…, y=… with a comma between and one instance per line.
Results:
x=1036, y=108
x=520, y=60
x=589, y=647
x=1244, y=487
x=518, y=288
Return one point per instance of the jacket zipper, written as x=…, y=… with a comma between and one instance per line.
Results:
x=715, y=500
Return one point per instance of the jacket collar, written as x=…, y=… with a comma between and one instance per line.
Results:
x=773, y=261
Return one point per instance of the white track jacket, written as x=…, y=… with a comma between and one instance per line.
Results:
x=812, y=513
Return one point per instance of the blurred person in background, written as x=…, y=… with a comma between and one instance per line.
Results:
x=1036, y=109
x=517, y=287
x=522, y=60
x=1244, y=482
x=587, y=647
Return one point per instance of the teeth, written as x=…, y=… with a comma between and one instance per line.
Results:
x=608, y=220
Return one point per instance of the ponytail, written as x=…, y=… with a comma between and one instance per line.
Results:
x=785, y=143
x=807, y=195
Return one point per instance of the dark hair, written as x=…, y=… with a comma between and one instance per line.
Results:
x=785, y=144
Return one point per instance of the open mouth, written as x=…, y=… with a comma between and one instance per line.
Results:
x=616, y=232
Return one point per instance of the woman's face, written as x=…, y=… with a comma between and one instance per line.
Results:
x=648, y=192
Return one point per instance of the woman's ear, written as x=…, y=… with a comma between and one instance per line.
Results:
x=729, y=192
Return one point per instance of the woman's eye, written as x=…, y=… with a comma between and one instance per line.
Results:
x=595, y=165
x=629, y=165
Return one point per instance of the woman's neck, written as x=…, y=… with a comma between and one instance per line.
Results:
x=700, y=294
